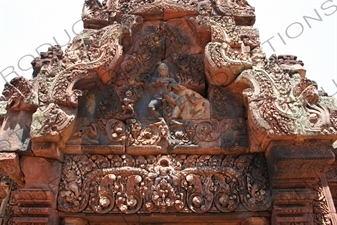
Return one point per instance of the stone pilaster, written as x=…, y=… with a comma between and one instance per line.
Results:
x=35, y=207
x=324, y=211
x=331, y=178
x=292, y=206
x=9, y=165
x=36, y=201
x=5, y=188
x=294, y=168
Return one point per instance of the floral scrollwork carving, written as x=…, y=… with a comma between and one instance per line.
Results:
x=283, y=102
x=320, y=206
x=163, y=183
x=149, y=135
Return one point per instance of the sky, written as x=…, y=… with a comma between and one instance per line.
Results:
x=305, y=28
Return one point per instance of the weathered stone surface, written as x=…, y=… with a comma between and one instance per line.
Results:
x=14, y=132
x=33, y=206
x=331, y=176
x=256, y=221
x=47, y=150
x=199, y=184
x=74, y=221
x=324, y=211
x=129, y=66
x=41, y=173
x=5, y=189
x=292, y=206
x=164, y=219
x=309, y=160
x=283, y=104
x=10, y=166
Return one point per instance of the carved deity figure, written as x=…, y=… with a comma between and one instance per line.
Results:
x=128, y=103
x=164, y=86
x=185, y=103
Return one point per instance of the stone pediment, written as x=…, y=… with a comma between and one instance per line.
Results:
x=143, y=85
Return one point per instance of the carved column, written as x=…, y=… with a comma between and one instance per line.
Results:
x=9, y=165
x=294, y=168
x=5, y=188
x=331, y=177
x=36, y=202
x=35, y=207
x=292, y=206
x=324, y=211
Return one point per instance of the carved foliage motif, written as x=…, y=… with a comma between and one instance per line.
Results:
x=93, y=49
x=163, y=183
x=151, y=134
x=95, y=132
x=285, y=103
x=10, y=166
x=222, y=69
x=56, y=79
x=320, y=206
x=20, y=95
x=119, y=102
x=176, y=135
x=116, y=27
x=94, y=14
x=191, y=70
x=225, y=104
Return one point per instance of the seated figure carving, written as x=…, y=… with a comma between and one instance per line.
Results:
x=182, y=103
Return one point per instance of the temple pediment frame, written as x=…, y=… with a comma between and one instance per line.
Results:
x=167, y=111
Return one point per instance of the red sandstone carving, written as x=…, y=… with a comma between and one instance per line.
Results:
x=160, y=107
x=10, y=166
x=163, y=184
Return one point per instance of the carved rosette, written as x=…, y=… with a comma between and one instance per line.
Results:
x=163, y=183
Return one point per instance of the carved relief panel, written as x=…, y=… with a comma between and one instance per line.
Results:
x=164, y=183
x=168, y=107
x=160, y=93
